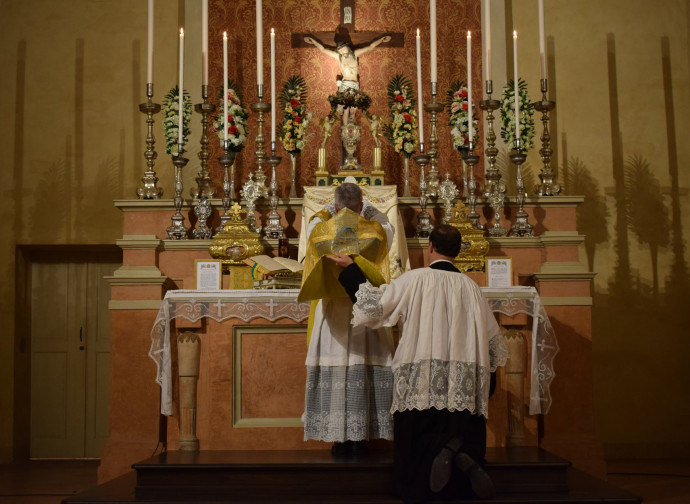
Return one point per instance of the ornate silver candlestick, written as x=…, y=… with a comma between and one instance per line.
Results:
x=447, y=193
x=434, y=108
x=204, y=184
x=150, y=189
x=227, y=160
x=177, y=230
x=273, y=229
x=261, y=108
x=521, y=227
x=494, y=189
x=473, y=216
x=547, y=186
x=424, y=226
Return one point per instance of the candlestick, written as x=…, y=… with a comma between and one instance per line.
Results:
x=434, y=108
x=259, y=45
x=150, y=189
x=274, y=228
x=547, y=186
x=180, y=139
x=204, y=43
x=424, y=226
x=469, y=88
x=432, y=16
x=225, y=86
x=177, y=230
x=521, y=227
x=487, y=39
x=149, y=58
x=226, y=161
x=494, y=189
x=419, y=89
x=542, y=44
x=261, y=109
x=516, y=91
x=473, y=216
x=273, y=87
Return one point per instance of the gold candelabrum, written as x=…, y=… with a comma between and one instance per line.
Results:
x=204, y=184
x=261, y=108
x=227, y=161
x=150, y=190
x=547, y=186
x=471, y=160
x=494, y=189
x=273, y=227
x=434, y=108
x=424, y=226
x=177, y=230
x=520, y=227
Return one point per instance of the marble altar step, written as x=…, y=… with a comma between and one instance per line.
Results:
x=520, y=475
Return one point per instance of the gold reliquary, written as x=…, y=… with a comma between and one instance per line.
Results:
x=474, y=244
x=236, y=242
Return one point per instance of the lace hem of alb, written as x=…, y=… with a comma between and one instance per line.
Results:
x=437, y=384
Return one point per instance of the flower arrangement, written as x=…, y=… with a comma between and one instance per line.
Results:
x=236, y=122
x=171, y=120
x=402, y=131
x=508, y=115
x=349, y=98
x=293, y=104
x=459, y=117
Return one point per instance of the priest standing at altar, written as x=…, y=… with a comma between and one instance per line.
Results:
x=349, y=380
x=443, y=369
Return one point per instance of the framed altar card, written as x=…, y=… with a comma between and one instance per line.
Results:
x=208, y=275
x=499, y=271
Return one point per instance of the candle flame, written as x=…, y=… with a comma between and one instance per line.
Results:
x=272, y=32
x=469, y=34
x=225, y=35
x=181, y=32
x=418, y=32
x=514, y=34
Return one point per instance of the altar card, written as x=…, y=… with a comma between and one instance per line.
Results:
x=208, y=275
x=499, y=271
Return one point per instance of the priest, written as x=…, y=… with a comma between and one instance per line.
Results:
x=443, y=369
x=349, y=380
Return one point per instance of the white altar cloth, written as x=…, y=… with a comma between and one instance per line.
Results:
x=273, y=305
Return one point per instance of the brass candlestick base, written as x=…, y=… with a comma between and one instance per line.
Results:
x=494, y=188
x=473, y=216
x=261, y=108
x=273, y=228
x=424, y=226
x=177, y=230
x=150, y=190
x=227, y=160
x=434, y=108
x=521, y=227
x=204, y=184
x=547, y=186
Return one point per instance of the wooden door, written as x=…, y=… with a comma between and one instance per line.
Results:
x=70, y=355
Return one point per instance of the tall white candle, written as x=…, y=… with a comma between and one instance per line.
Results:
x=516, y=90
x=149, y=59
x=469, y=87
x=487, y=39
x=432, y=17
x=542, y=44
x=273, y=87
x=180, y=124
x=259, y=45
x=225, y=84
x=420, y=96
x=204, y=43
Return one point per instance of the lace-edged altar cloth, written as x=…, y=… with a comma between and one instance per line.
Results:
x=250, y=304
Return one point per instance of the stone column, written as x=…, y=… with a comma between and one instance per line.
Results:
x=188, y=352
x=515, y=370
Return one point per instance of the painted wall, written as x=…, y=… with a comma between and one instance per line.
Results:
x=73, y=137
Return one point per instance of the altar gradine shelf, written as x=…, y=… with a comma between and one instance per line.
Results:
x=264, y=358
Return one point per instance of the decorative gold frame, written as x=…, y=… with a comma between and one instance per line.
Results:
x=238, y=332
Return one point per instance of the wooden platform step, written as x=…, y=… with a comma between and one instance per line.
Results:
x=286, y=477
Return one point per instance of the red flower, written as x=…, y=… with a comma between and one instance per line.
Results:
x=399, y=98
x=233, y=130
x=407, y=117
x=297, y=119
x=463, y=93
x=294, y=103
x=464, y=106
x=230, y=118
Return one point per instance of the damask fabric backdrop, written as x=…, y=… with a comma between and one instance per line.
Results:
x=376, y=68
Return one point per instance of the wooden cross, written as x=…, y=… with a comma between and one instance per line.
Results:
x=346, y=31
